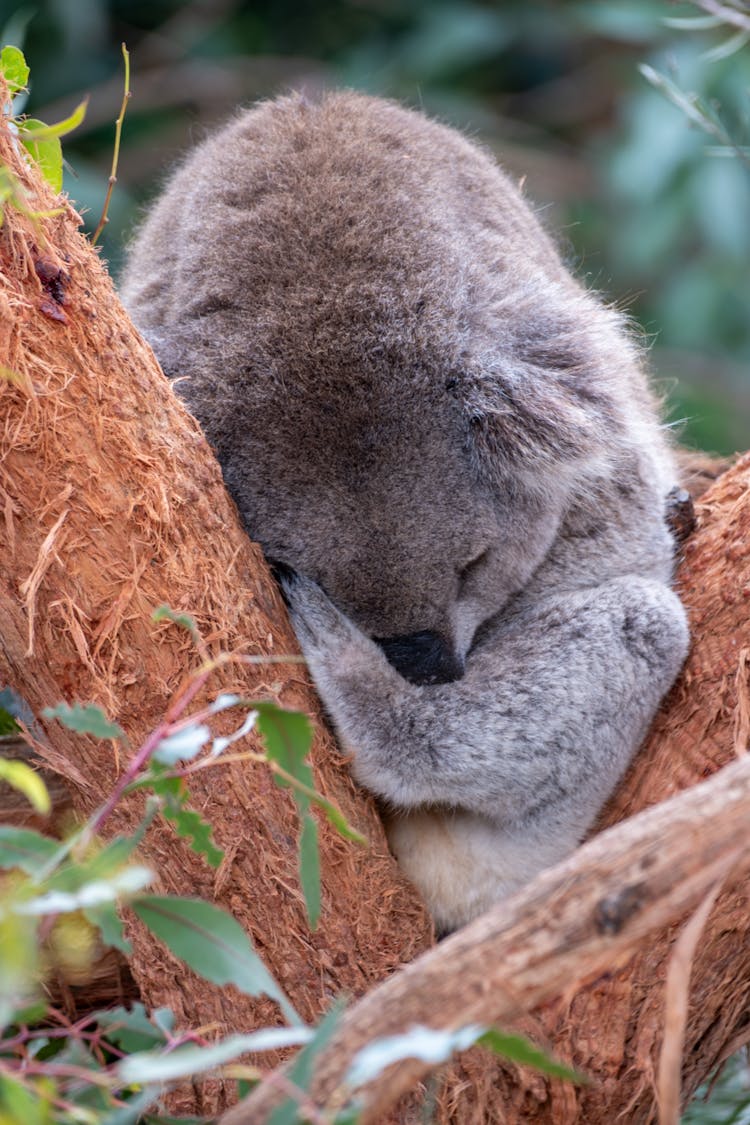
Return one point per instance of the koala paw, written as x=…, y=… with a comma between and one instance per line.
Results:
x=349, y=670
x=336, y=651
x=319, y=625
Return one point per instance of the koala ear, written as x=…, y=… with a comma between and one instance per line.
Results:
x=524, y=417
x=549, y=401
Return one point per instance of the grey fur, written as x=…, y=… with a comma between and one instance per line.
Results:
x=418, y=409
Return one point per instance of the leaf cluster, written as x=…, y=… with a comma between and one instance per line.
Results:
x=62, y=903
x=41, y=142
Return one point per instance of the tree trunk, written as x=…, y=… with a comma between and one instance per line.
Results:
x=113, y=504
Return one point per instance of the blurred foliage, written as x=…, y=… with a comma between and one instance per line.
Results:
x=649, y=216
x=726, y=1102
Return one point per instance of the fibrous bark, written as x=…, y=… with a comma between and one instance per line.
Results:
x=111, y=503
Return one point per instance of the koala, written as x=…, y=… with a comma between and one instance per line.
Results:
x=450, y=446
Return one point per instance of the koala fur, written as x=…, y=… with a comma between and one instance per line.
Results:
x=452, y=445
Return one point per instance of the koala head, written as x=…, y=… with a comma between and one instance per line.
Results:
x=386, y=353
x=380, y=496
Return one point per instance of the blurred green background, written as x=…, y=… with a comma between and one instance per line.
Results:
x=644, y=210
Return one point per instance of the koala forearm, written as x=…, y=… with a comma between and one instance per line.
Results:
x=553, y=702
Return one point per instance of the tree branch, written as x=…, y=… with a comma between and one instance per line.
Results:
x=571, y=924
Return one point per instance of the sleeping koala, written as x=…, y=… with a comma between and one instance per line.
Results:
x=452, y=446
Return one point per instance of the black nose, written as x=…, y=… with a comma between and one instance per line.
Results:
x=422, y=658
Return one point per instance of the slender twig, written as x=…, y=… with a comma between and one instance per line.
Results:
x=116, y=154
x=736, y=17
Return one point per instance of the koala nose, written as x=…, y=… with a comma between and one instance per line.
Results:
x=422, y=658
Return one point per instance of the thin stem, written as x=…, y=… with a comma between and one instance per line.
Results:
x=116, y=154
x=735, y=17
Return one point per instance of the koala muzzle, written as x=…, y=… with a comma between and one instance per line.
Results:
x=422, y=658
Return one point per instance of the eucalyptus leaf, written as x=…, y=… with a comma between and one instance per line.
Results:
x=109, y=924
x=155, y=1066
x=14, y=69
x=191, y=826
x=130, y=1029
x=88, y=719
x=132, y=1112
x=427, y=1044
x=301, y=1069
x=212, y=942
x=184, y=745
x=8, y=724
x=25, y=849
x=184, y=620
x=434, y=1046
x=287, y=736
x=522, y=1050
x=95, y=893
x=223, y=701
x=220, y=743
x=309, y=868
x=27, y=781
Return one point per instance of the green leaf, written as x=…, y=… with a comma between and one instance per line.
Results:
x=28, y=851
x=335, y=817
x=14, y=69
x=212, y=942
x=191, y=826
x=85, y=720
x=184, y=620
x=157, y=778
x=425, y=1043
x=309, y=868
x=225, y=700
x=8, y=724
x=244, y=1088
x=149, y=1119
x=19, y=967
x=523, y=1051
x=21, y=1103
x=60, y=128
x=120, y=848
x=155, y=1066
x=434, y=1046
x=287, y=736
x=33, y=1013
x=92, y=894
x=109, y=924
x=130, y=1029
x=27, y=781
x=44, y=150
x=220, y=743
x=131, y=1113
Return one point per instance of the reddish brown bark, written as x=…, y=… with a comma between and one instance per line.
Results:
x=111, y=503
